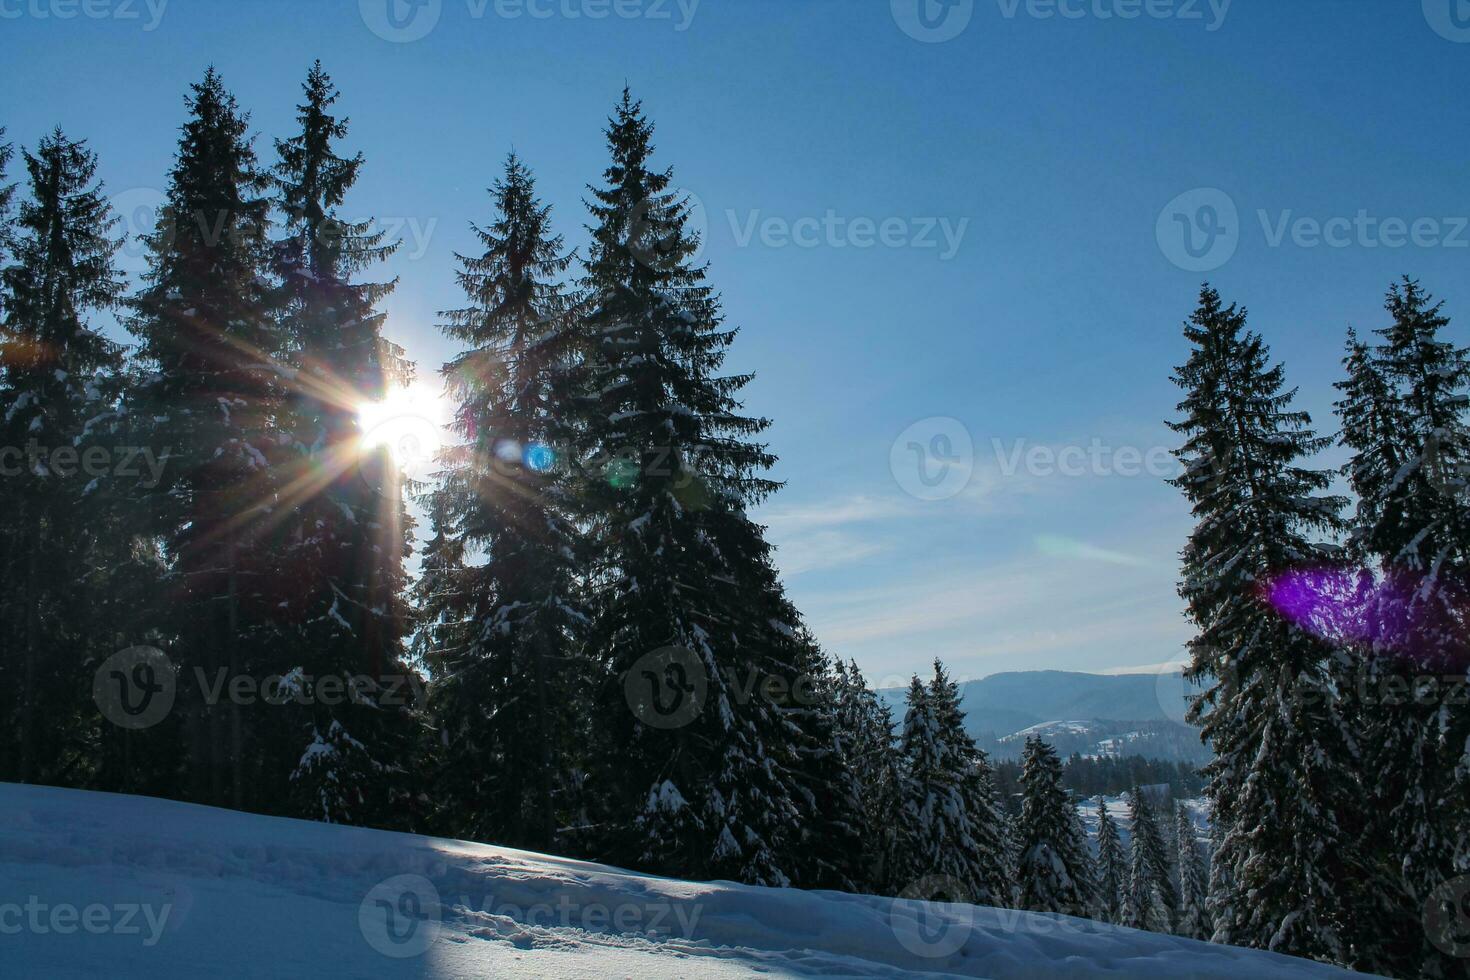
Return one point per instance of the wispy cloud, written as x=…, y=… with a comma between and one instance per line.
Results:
x=831, y=534
x=829, y=513
x=1055, y=546
x=1025, y=613
x=824, y=549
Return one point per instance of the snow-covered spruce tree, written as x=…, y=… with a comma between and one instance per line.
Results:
x=1193, y=919
x=1112, y=866
x=867, y=749
x=340, y=548
x=676, y=560
x=1219, y=880
x=951, y=832
x=1144, y=902
x=1371, y=422
x=439, y=595
x=1055, y=869
x=439, y=599
x=57, y=546
x=829, y=839
x=933, y=832
x=992, y=874
x=209, y=404
x=1152, y=900
x=1083, y=860
x=504, y=770
x=1404, y=418
x=1284, y=779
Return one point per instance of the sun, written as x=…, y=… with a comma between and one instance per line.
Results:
x=410, y=421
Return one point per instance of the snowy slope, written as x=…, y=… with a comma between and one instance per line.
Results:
x=100, y=885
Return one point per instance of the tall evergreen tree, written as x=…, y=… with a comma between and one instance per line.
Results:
x=1151, y=901
x=951, y=826
x=1283, y=778
x=828, y=843
x=1193, y=919
x=1055, y=869
x=866, y=749
x=339, y=556
x=1372, y=432
x=676, y=560
x=211, y=398
x=59, y=383
x=993, y=874
x=440, y=594
x=1148, y=892
x=1112, y=866
x=505, y=494
x=1404, y=418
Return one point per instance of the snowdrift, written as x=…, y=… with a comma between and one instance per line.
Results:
x=93, y=884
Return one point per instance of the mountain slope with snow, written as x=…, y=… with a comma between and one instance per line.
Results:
x=1091, y=714
x=94, y=884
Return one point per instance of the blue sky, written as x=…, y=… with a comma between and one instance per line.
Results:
x=971, y=231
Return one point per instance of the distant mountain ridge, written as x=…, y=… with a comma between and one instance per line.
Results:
x=1095, y=714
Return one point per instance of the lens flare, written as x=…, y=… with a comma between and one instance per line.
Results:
x=1353, y=606
x=539, y=458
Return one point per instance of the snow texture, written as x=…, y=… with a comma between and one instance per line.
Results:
x=227, y=894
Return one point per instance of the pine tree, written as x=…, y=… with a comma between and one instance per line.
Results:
x=1055, y=869
x=993, y=875
x=60, y=380
x=866, y=749
x=1283, y=781
x=1144, y=903
x=1404, y=418
x=1153, y=899
x=1372, y=431
x=1220, y=882
x=507, y=497
x=211, y=399
x=1112, y=866
x=951, y=826
x=339, y=556
x=1192, y=920
x=677, y=563
x=828, y=791
x=440, y=595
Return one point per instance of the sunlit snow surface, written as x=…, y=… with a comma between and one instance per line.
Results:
x=120, y=886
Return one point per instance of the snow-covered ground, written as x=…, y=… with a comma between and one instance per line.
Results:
x=118, y=886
